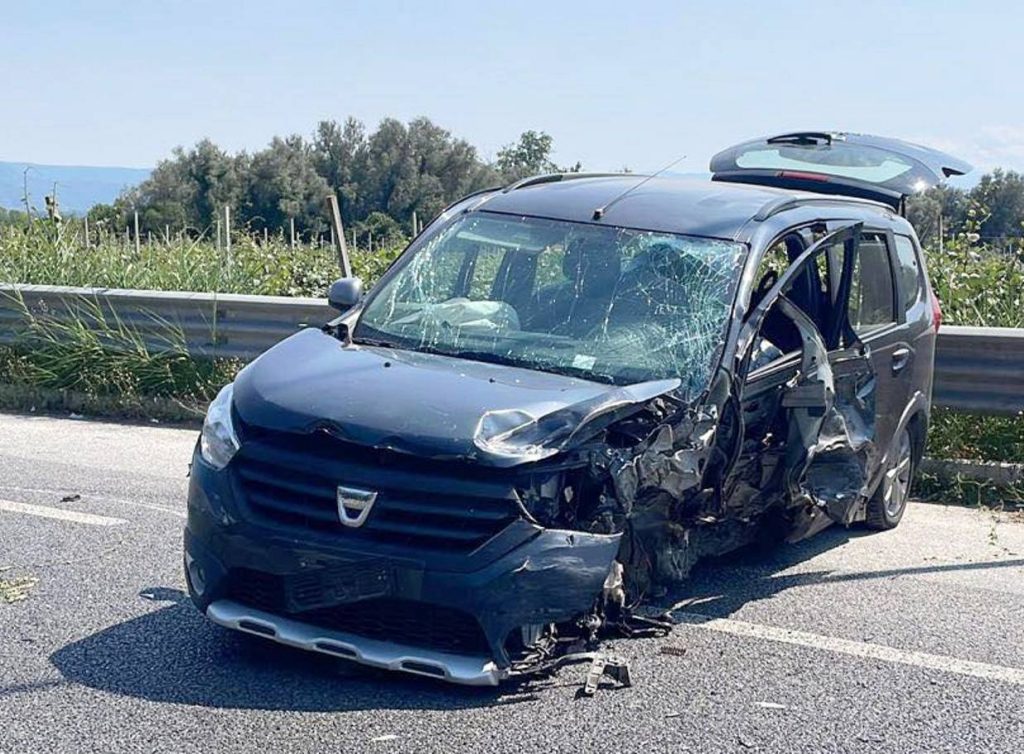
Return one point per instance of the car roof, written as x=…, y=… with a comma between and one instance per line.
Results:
x=689, y=206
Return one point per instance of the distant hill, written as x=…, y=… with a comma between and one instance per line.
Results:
x=78, y=187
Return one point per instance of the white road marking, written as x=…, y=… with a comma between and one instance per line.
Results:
x=99, y=497
x=856, y=648
x=59, y=513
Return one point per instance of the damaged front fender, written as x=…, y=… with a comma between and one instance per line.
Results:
x=512, y=437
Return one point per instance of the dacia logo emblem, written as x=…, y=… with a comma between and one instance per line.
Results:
x=354, y=505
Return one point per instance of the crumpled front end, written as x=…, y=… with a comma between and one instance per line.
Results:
x=252, y=565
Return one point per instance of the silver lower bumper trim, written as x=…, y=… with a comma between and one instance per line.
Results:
x=468, y=670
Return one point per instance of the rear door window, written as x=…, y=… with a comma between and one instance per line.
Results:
x=909, y=272
x=871, y=293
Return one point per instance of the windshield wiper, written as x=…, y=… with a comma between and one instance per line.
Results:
x=532, y=364
x=486, y=356
x=378, y=342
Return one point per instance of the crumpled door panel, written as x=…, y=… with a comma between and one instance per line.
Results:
x=830, y=446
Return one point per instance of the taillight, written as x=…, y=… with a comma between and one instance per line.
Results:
x=804, y=176
x=936, y=312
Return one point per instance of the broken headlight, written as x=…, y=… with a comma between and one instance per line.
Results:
x=218, y=442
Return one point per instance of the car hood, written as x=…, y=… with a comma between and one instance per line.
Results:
x=425, y=404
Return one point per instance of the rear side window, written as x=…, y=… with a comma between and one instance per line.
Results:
x=909, y=272
x=871, y=292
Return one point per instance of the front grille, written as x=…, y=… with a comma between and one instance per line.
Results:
x=292, y=479
x=409, y=622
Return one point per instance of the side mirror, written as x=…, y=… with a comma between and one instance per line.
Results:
x=345, y=293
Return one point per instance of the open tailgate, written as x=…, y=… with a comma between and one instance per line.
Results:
x=826, y=162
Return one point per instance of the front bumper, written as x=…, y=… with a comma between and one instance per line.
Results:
x=537, y=577
x=467, y=670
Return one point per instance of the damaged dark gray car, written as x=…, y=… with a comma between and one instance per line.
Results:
x=562, y=395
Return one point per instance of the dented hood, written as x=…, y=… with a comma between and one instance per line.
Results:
x=425, y=404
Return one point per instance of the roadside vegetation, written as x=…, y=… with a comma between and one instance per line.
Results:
x=280, y=245
x=99, y=366
x=45, y=254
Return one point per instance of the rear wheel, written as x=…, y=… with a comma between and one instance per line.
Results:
x=886, y=506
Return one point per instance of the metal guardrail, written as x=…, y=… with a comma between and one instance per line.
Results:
x=223, y=325
x=980, y=370
x=977, y=369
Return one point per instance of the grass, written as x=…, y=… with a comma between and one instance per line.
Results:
x=982, y=438
x=971, y=492
x=96, y=355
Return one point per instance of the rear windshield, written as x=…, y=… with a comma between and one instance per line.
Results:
x=862, y=163
x=606, y=304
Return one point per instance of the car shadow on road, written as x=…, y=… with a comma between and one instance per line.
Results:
x=719, y=587
x=173, y=654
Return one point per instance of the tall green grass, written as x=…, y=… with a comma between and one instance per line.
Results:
x=94, y=354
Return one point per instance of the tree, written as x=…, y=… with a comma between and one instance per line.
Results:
x=282, y=184
x=400, y=169
x=189, y=190
x=416, y=168
x=531, y=155
x=339, y=156
x=1001, y=193
x=924, y=210
x=381, y=228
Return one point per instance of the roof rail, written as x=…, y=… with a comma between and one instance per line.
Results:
x=470, y=195
x=783, y=203
x=536, y=180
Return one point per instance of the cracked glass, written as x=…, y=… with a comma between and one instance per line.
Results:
x=607, y=304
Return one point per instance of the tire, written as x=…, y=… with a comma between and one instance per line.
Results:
x=886, y=507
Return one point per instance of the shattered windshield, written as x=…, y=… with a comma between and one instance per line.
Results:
x=607, y=304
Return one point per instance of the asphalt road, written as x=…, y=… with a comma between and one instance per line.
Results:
x=907, y=641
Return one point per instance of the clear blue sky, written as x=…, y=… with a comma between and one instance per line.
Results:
x=615, y=83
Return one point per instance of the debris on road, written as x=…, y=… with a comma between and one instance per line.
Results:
x=601, y=667
x=673, y=650
x=15, y=590
x=74, y=498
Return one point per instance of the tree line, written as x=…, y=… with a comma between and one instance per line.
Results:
x=993, y=208
x=382, y=180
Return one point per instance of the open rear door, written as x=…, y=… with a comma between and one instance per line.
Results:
x=867, y=167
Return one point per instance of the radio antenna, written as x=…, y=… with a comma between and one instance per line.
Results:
x=599, y=212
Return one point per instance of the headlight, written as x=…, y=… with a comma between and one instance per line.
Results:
x=219, y=443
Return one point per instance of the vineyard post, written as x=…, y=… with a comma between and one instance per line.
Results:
x=136, y=221
x=86, y=221
x=227, y=231
x=338, y=236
